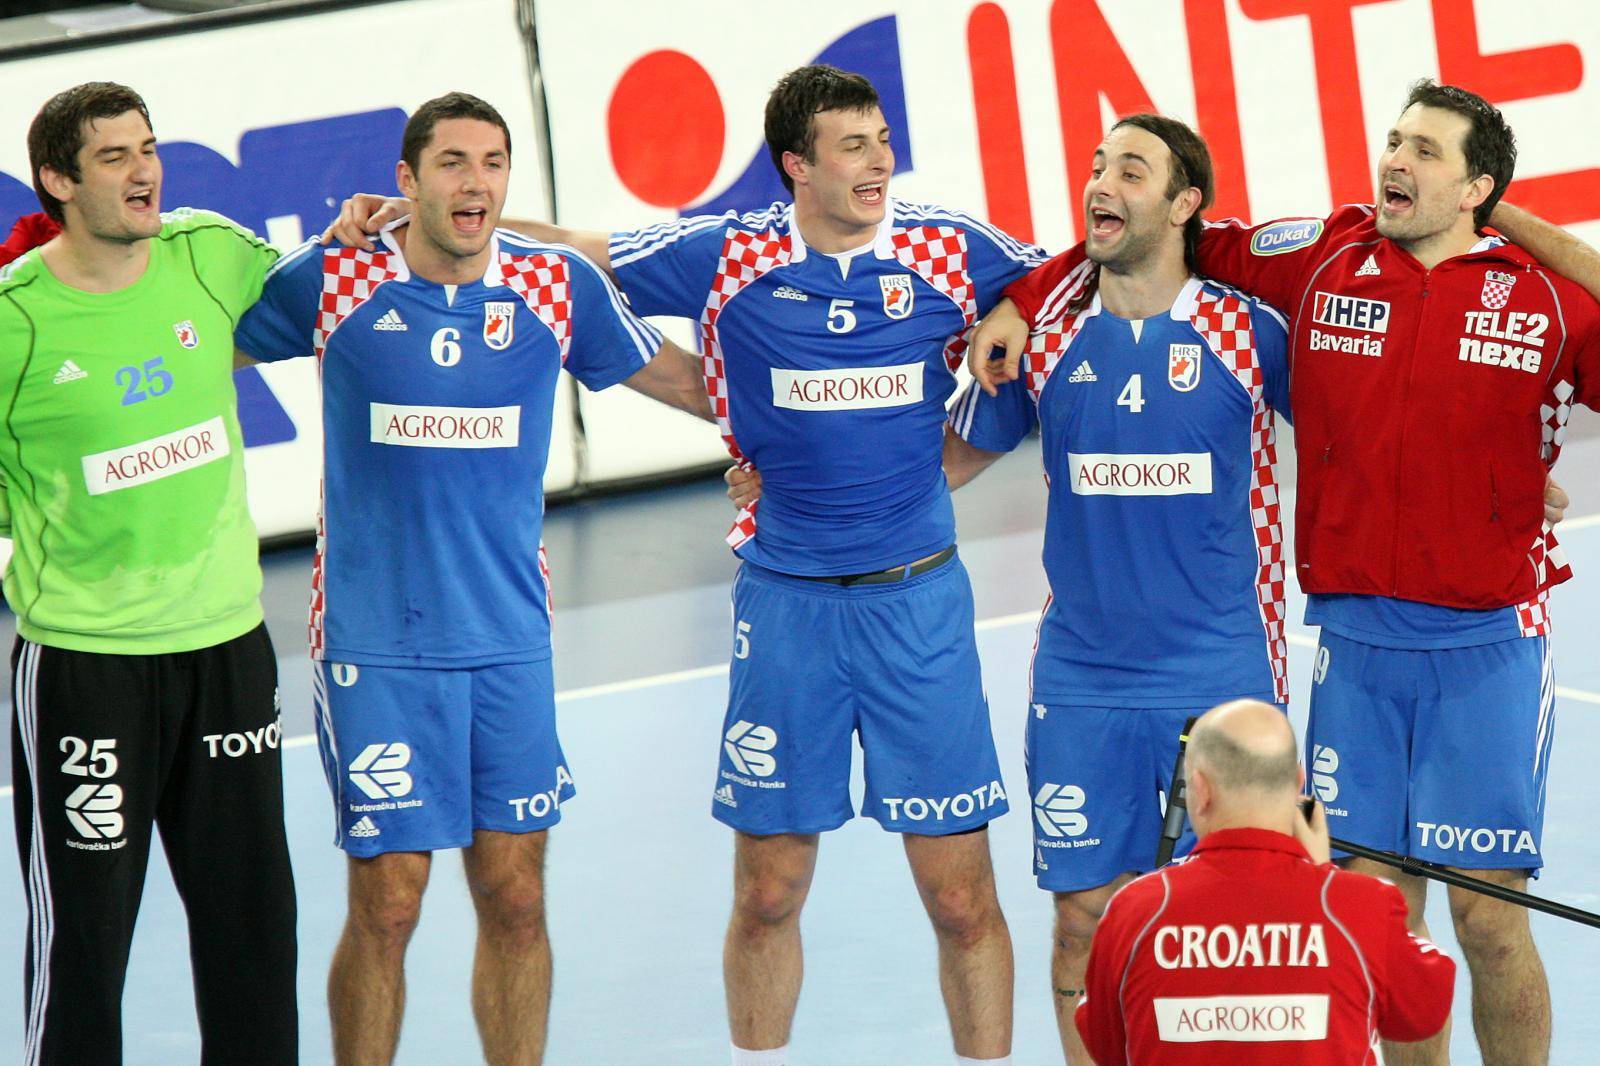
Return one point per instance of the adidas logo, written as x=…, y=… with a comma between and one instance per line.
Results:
x=364, y=828
x=1084, y=373
x=1369, y=269
x=390, y=321
x=725, y=795
x=786, y=292
x=69, y=371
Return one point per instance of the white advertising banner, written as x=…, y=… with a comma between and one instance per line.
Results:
x=996, y=108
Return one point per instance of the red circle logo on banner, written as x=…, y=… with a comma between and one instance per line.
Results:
x=666, y=129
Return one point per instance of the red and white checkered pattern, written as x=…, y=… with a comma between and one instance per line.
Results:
x=745, y=257
x=1496, y=293
x=543, y=283
x=938, y=254
x=1533, y=617
x=1546, y=556
x=1044, y=352
x=318, y=581
x=1549, y=561
x=349, y=278
x=1224, y=321
x=1555, y=411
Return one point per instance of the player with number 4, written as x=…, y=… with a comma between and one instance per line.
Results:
x=1156, y=393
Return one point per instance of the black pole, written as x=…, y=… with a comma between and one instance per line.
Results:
x=1177, y=803
x=1422, y=868
x=1177, y=807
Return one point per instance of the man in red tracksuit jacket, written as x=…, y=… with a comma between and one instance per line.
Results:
x=1255, y=949
x=1432, y=373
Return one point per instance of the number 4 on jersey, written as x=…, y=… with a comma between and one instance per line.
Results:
x=1132, y=395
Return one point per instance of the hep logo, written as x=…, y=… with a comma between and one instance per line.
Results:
x=667, y=128
x=1324, y=764
x=95, y=811
x=749, y=746
x=379, y=770
x=1056, y=809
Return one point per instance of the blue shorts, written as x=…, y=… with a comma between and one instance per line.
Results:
x=418, y=759
x=897, y=665
x=1440, y=755
x=1098, y=777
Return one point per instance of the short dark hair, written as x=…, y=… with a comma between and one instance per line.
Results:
x=419, y=127
x=1490, y=146
x=56, y=135
x=1191, y=169
x=799, y=97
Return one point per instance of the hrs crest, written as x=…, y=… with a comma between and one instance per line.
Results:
x=897, y=295
x=1183, y=366
x=498, y=318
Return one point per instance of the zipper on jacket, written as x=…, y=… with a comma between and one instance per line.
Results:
x=1304, y=561
x=1400, y=444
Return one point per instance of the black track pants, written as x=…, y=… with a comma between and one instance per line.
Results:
x=107, y=747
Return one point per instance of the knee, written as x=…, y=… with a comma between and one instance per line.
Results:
x=766, y=902
x=513, y=906
x=388, y=913
x=1077, y=917
x=963, y=914
x=1490, y=931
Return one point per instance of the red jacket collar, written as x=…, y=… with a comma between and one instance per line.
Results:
x=1251, y=840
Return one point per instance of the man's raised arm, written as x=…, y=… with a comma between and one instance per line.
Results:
x=675, y=378
x=1550, y=244
x=366, y=213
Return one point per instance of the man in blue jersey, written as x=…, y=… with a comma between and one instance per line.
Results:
x=1155, y=393
x=831, y=330
x=440, y=352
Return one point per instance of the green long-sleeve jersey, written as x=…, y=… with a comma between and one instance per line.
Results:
x=120, y=447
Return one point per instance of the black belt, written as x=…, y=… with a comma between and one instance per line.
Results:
x=889, y=576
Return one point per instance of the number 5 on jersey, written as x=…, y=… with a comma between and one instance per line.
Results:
x=840, y=318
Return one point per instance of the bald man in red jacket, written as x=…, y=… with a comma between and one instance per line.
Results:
x=1255, y=949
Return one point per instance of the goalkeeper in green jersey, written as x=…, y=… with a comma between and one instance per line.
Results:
x=144, y=683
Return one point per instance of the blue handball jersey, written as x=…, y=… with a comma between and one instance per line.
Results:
x=1163, y=544
x=830, y=376
x=436, y=407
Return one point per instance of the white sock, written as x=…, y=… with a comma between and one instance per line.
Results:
x=962, y=1060
x=777, y=1056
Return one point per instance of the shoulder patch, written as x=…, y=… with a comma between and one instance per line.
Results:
x=1286, y=236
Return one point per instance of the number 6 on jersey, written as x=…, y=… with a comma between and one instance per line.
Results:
x=446, y=346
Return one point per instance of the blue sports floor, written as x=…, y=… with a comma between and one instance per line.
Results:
x=639, y=872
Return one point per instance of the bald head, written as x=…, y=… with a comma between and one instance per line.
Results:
x=1245, y=746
